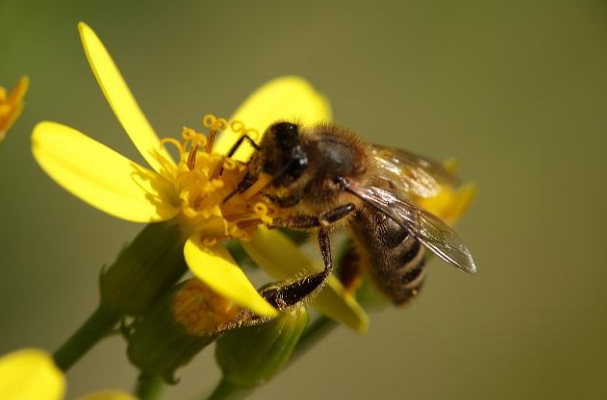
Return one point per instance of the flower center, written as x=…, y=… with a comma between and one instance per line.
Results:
x=206, y=184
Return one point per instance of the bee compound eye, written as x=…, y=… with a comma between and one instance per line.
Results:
x=286, y=134
x=285, y=128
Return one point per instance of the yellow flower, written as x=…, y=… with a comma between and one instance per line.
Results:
x=191, y=190
x=11, y=105
x=451, y=202
x=30, y=374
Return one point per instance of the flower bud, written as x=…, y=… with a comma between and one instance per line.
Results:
x=252, y=355
x=144, y=270
x=178, y=327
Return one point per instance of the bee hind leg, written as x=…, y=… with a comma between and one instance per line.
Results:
x=285, y=296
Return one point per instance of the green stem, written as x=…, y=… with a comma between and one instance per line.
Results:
x=99, y=324
x=148, y=387
x=317, y=330
x=227, y=390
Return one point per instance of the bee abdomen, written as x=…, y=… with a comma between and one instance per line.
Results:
x=394, y=259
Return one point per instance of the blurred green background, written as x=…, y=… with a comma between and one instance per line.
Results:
x=516, y=90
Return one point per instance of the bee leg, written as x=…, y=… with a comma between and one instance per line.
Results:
x=336, y=214
x=239, y=143
x=311, y=221
x=288, y=295
x=235, y=147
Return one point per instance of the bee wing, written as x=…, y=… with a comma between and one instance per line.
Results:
x=412, y=173
x=425, y=227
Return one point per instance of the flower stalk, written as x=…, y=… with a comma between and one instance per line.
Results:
x=142, y=273
x=95, y=328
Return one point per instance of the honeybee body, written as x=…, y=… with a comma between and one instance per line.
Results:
x=325, y=176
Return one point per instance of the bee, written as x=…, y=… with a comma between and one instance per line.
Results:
x=324, y=176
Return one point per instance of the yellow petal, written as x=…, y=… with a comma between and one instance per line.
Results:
x=14, y=104
x=108, y=395
x=100, y=176
x=30, y=374
x=120, y=98
x=216, y=267
x=279, y=257
x=449, y=204
x=18, y=93
x=286, y=98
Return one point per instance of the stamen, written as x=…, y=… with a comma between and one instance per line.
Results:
x=239, y=127
x=192, y=157
x=229, y=164
x=261, y=210
x=262, y=181
x=174, y=142
x=215, y=126
x=188, y=133
x=202, y=191
x=253, y=134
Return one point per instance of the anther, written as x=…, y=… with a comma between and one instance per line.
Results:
x=261, y=210
x=229, y=164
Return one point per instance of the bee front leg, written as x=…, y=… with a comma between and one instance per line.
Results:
x=285, y=296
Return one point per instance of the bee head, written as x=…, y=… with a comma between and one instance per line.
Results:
x=282, y=154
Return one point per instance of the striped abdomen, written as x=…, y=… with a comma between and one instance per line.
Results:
x=392, y=257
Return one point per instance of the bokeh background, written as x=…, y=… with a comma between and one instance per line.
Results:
x=516, y=90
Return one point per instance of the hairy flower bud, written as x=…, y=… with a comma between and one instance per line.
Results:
x=252, y=355
x=145, y=269
x=178, y=327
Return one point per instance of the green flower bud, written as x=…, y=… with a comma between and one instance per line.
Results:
x=252, y=355
x=146, y=269
x=178, y=327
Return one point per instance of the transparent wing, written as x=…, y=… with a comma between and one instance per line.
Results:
x=412, y=173
x=425, y=227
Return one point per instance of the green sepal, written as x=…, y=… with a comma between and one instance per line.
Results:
x=252, y=355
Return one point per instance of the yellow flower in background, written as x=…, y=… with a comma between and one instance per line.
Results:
x=30, y=374
x=451, y=202
x=191, y=190
x=11, y=105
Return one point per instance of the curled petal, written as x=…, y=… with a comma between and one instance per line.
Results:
x=100, y=176
x=286, y=98
x=215, y=267
x=122, y=101
x=108, y=395
x=30, y=374
x=279, y=257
